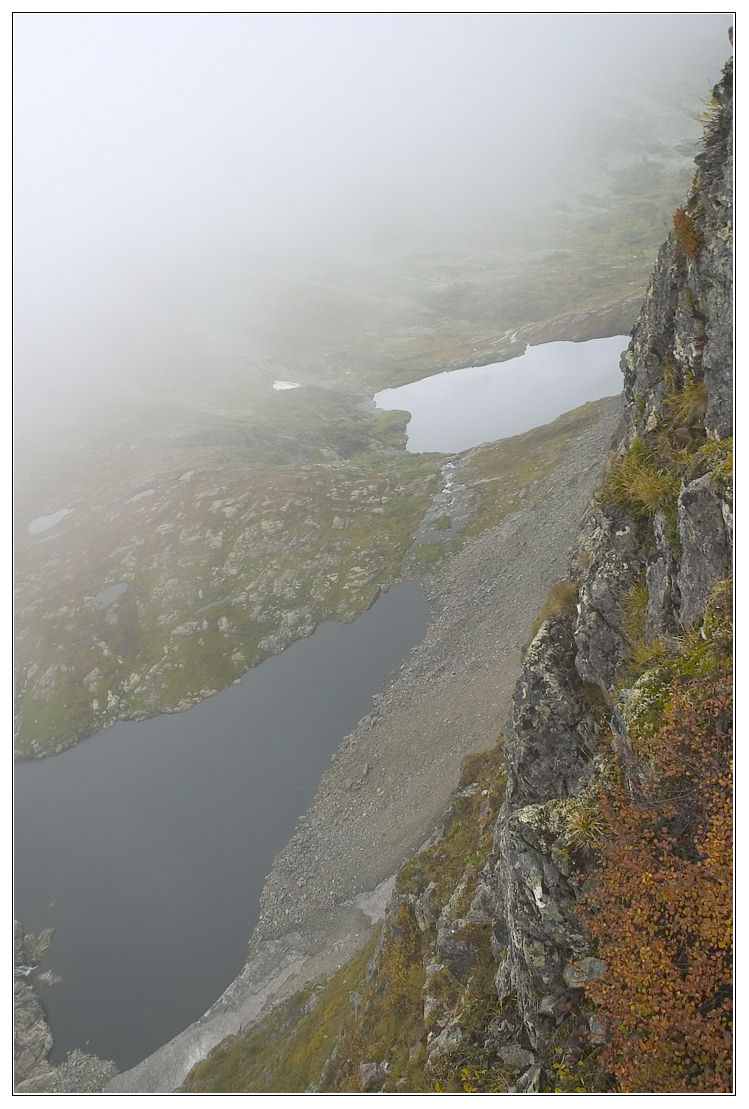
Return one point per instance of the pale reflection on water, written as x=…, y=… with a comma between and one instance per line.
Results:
x=453, y=411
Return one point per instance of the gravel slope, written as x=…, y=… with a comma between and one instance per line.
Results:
x=391, y=779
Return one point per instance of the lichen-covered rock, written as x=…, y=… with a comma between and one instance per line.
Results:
x=660, y=577
x=372, y=1075
x=616, y=563
x=540, y=896
x=652, y=339
x=32, y=1036
x=685, y=327
x=706, y=548
x=516, y=1058
x=713, y=199
x=447, y=1042
x=552, y=732
x=531, y=1082
x=458, y=948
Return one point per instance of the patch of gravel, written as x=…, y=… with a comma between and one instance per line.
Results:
x=79, y=1073
x=391, y=779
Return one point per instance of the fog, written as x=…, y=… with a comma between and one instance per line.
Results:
x=163, y=161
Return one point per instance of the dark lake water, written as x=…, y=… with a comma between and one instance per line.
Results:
x=453, y=411
x=146, y=847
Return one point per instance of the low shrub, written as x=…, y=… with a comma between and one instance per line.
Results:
x=686, y=233
x=688, y=406
x=561, y=596
x=639, y=483
x=661, y=908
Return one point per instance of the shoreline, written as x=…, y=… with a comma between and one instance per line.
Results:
x=391, y=778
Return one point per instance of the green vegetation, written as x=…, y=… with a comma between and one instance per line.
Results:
x=637, y=484
x=657, y=825
x=427, y=554
x=288, y=1049
x=647, y=477
x=514, y=471
x=661, y=908
x=635, y=610
x=688, y=406
x=222, y=569
x=562, y=595
x=585, y=825
x=373, y=1008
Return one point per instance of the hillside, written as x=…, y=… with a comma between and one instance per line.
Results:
x=493, y=969
x=205, y=520
x=568, y=927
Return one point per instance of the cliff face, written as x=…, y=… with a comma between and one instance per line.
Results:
x=487, y=974
x=653, y=547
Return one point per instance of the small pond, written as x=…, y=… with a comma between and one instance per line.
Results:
x=43, y=523
x=146, y=847
x=453, y=411
x=108, y=595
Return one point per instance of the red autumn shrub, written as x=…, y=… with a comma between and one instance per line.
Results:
x=687, y=233
x=661, y=909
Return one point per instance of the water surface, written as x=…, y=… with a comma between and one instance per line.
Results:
x=453, y=411
x=108, y=595
x=43, y=523
x=146, y=847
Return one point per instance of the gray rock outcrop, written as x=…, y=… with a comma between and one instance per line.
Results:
x=32, y=1037
x=680, y=359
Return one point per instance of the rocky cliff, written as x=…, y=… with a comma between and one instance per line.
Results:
x=568, y=925
x=653, y=548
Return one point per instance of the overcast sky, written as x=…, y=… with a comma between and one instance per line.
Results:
x=146, y=144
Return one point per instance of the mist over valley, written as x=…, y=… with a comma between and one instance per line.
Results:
x=230, y=233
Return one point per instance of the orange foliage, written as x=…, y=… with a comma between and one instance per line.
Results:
x=661, y=909
x=687, y=233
